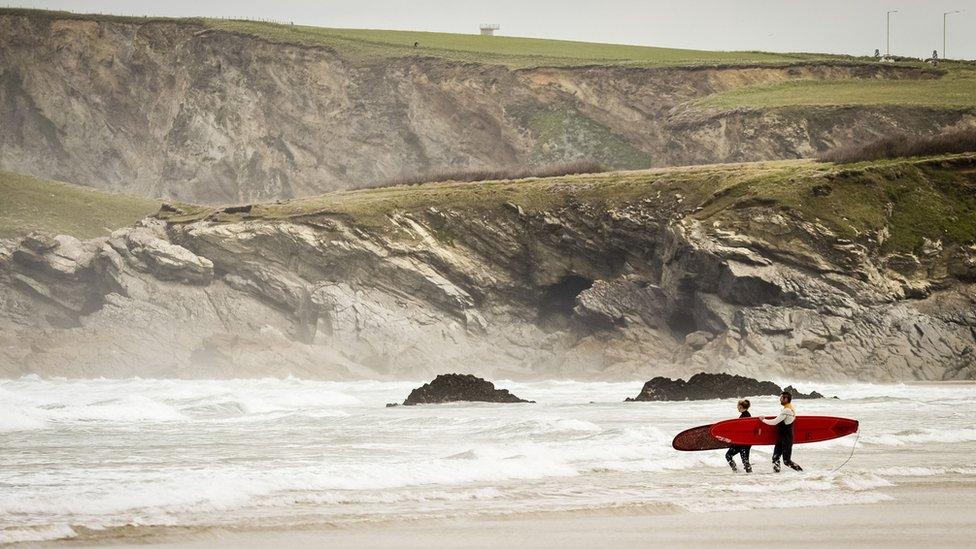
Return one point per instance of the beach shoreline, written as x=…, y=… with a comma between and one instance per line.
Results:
x=933, y=511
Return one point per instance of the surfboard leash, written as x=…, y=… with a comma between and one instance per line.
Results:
x=853, y=448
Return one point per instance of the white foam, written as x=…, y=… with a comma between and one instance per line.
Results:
x=200, y=452
x=919, y=471
x=35, y=533
x=544, y=426
x=257, y=402
x=12, y=419
x=865, y=482
x=340, y=498
x=919, y=436
x=816, y=499
x=126, y=409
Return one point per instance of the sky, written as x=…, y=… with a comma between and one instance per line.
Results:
x=830, y=26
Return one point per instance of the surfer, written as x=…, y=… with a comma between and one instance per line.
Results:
x=784, y=426
x=741, y=450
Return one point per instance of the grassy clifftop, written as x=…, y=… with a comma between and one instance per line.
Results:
x=952, y=86
x=956, y=89
x=913, y=199
x=30, y=204
x=516, y=52
x=910, y=200
x=506, y=50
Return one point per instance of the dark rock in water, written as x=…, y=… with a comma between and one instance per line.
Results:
x=392, y=404
x=704, y=386
x=459, y=387
x=797, y=395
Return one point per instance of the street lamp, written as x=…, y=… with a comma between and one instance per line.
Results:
x=888, y=33
x=945, y=23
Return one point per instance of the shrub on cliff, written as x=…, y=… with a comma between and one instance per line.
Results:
x=471, y=175
x=957, y=140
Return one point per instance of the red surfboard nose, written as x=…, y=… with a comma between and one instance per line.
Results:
x=845, y=427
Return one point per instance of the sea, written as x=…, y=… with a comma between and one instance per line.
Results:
x=88, y=457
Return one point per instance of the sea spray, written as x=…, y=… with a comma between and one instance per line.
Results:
x=145, y=452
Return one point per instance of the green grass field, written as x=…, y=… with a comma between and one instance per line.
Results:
x=913, y=198
x=366, y=44
x=954, y=90
x=506, y=50
x=30, y=204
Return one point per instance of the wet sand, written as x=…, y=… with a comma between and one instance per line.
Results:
x=923, y=512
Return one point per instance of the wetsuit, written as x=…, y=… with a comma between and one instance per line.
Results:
x=742, y=450
x=784, y=440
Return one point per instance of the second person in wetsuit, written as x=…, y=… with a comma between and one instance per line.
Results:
x=784, y=427
x=741, y=450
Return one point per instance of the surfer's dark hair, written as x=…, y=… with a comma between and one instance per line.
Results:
x=744, y=403
x=788, y=395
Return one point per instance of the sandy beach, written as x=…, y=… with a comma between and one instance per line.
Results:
x=921, y=512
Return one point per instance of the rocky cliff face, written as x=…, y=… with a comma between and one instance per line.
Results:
x=606, y=276
x=176, y=110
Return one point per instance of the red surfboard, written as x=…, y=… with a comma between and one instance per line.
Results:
x=697, y=438
x=749, y=431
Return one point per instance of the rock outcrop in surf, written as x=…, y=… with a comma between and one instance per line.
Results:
x=797, y=395
x=703, y=386
x=459, y=388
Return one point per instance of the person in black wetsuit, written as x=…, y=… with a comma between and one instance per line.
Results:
x=741, y=450
x=784, y=426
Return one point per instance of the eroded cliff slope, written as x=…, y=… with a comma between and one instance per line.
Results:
x=203, y=112
x=791, y=269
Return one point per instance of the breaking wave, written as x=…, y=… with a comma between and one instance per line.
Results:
x=167, y=452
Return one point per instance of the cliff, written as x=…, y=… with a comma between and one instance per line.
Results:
x=783, y=269
x=229, y=112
